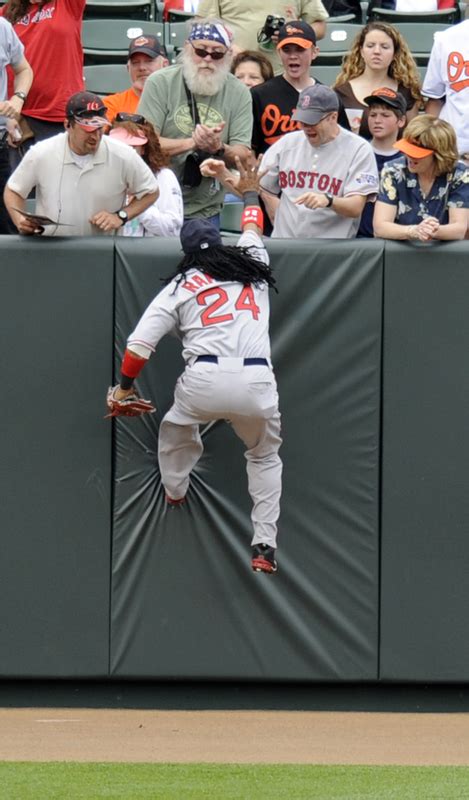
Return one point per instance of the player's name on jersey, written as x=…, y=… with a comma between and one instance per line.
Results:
x=197, y=281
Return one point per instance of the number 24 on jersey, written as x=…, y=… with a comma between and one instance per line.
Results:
x=214, y=300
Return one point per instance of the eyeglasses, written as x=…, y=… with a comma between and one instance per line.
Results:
x=123, y=116
x=215, y=55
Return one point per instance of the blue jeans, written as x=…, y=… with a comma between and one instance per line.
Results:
x=6, y=225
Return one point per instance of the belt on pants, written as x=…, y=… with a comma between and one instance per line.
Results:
x=247, y=361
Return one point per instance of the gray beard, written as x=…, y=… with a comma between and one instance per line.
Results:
x=204, y=84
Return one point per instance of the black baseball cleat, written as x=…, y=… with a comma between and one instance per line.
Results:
x=172, y=503
x=263, y=559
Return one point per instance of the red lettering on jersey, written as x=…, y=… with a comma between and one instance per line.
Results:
x=191, y=287
x=199, y=280
x=323, y=182
x=246, y=302
x=311, y=180
x=274, y=124
x=208, y=278
x=456, y=67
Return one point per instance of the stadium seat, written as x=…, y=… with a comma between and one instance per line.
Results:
x=420, y=38
x=230, y=218
x=179, y=16
x=446, y=17
x=336, y=43
x=107, y=40
x=175, y=35
x=325, y=74
x=127, y=9
x=342, y=18
x=158, y=10
x=106, y=79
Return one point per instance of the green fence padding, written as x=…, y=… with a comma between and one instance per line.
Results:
x=425, y=498
x=56, y=308
x=185, y=603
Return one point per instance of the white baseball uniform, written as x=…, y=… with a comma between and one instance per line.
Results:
x=342, y=167
x=447, y=77
x=230, y=321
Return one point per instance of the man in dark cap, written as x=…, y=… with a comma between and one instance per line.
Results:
x=318, y=178
x=82, y=179
x=217, y=302
x=146, y=55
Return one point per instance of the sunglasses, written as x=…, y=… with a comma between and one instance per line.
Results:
x=215, y=55
x=91, y=123
x=123, y=116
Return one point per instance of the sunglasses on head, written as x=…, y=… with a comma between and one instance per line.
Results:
x=123, y=116
x=215, y=55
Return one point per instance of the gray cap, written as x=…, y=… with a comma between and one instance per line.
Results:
x=314, y=103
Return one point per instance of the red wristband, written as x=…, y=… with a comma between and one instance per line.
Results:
x=132, y=364
x=253, y=214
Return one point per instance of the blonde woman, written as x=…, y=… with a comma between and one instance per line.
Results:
x=379, y=57
x=425, y=194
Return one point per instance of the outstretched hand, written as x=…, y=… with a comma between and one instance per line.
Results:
x=249, y=175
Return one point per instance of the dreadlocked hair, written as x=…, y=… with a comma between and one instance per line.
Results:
x=225, y=263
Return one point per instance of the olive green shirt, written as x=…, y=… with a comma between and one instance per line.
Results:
x=164, y=103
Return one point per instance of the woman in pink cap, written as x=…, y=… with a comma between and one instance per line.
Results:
x=165, y=216
x=425, y=194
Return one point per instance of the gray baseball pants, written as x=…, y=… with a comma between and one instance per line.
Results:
x=246, y=396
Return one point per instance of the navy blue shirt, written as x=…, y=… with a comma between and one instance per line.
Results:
x=400, y=188
x=365, y=230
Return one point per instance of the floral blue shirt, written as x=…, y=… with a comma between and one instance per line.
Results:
x=400, y=188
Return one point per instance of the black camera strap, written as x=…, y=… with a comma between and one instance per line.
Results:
x=194, y=111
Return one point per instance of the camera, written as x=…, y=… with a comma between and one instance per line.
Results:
x=271, y=27
x=192, y=176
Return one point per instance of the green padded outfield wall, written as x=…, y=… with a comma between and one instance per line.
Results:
x=56, y=311
x=185, y=603
x=425, y=495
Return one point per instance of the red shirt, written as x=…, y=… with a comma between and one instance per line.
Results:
x=51, y=35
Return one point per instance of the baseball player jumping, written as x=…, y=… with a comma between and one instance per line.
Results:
x=217, y=302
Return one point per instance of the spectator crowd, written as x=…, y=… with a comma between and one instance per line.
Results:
x=378, y=153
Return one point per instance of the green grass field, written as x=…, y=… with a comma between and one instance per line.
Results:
x=69, y=781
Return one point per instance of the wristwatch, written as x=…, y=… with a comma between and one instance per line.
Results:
x=123, y=216
x=21, y=95
x=330, y=200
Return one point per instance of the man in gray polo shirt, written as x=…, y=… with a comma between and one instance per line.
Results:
x=319, y=178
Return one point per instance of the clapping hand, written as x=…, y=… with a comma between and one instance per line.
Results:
x=208, y=139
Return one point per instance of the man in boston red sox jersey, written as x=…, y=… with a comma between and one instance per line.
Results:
x=319, y=178
x=217, y=302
